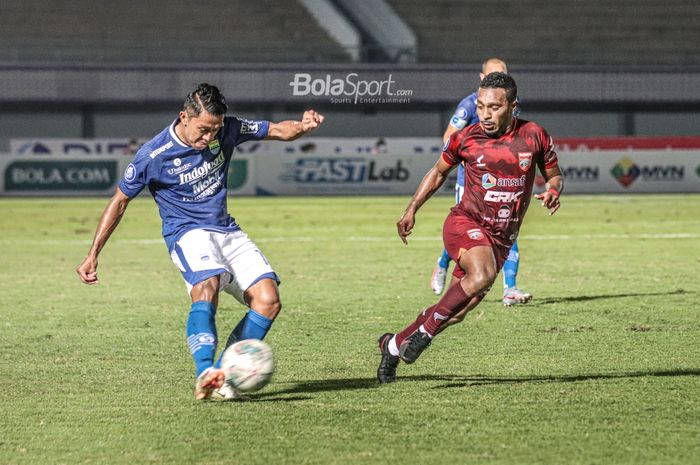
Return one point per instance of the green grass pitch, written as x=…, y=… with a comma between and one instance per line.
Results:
x=603, y=367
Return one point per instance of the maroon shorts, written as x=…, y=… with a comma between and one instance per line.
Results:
x=460, y=234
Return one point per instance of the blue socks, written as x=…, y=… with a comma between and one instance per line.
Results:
x=510, y=267
x=444, y=259
x=201, y=335
x=252, y=326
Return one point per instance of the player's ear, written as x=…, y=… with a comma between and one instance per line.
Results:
x=184, y=117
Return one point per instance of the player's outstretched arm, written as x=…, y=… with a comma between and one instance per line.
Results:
x=431, y=182
x=87, y=270
x=554, y=187
x=291, y=129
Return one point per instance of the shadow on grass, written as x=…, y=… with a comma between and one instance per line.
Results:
x=587, y=298
x=324, y=385
x=479, y=380
x=453, y=381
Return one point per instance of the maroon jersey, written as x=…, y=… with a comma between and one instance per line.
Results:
x=499, y=174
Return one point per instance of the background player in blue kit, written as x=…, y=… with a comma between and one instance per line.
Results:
x=185, y=168
x=464, y=116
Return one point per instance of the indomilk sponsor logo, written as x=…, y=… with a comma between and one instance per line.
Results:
x=208, y=182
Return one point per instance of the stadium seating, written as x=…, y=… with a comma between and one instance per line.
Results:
x=552, y=32
x=117, y=31
x=559, y=32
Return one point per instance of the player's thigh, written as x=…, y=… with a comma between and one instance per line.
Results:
x=197, y=256
x=246, y=266
x=207, y=290
x=479, y=262
x=462, y=235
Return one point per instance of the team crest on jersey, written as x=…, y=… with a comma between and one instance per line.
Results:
x=214, y=147
x=475, y=234
x=524, y=160
x=130, y=173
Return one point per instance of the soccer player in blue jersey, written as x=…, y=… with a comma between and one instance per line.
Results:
x=185, y=168
x=464, y=116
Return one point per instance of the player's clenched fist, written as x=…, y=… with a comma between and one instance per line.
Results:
x=311, y=120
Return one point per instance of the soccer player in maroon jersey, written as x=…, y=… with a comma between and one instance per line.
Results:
x=499, y=155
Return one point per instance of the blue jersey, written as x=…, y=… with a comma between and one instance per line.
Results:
x=465, y=115
x=188, y=185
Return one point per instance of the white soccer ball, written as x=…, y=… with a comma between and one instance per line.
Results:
x=248, y=365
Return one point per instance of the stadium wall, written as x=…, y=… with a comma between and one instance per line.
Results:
x=351, y=166
x=433, y=84
x=91, y=101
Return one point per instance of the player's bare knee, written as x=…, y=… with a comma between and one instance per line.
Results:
x=265, y=301
x=482, y=279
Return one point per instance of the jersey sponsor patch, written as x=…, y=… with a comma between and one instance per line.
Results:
x=130, y=173
x=502, y=197
x=249, y=127
x=161, y=149
x=488, y=181
x=459, y=123
x=504, y=211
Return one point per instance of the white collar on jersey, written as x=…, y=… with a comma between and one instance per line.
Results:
x=174, y=135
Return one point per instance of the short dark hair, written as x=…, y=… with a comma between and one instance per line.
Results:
x=205, y=97
x=502, y=81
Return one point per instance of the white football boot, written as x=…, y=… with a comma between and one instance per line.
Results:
x=227, y=393
x=437, y=280
x=207, y=382
x=514, y=296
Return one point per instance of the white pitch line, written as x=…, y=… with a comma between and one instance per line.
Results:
x=527, y=237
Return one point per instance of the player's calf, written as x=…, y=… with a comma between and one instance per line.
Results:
x=414, y=345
